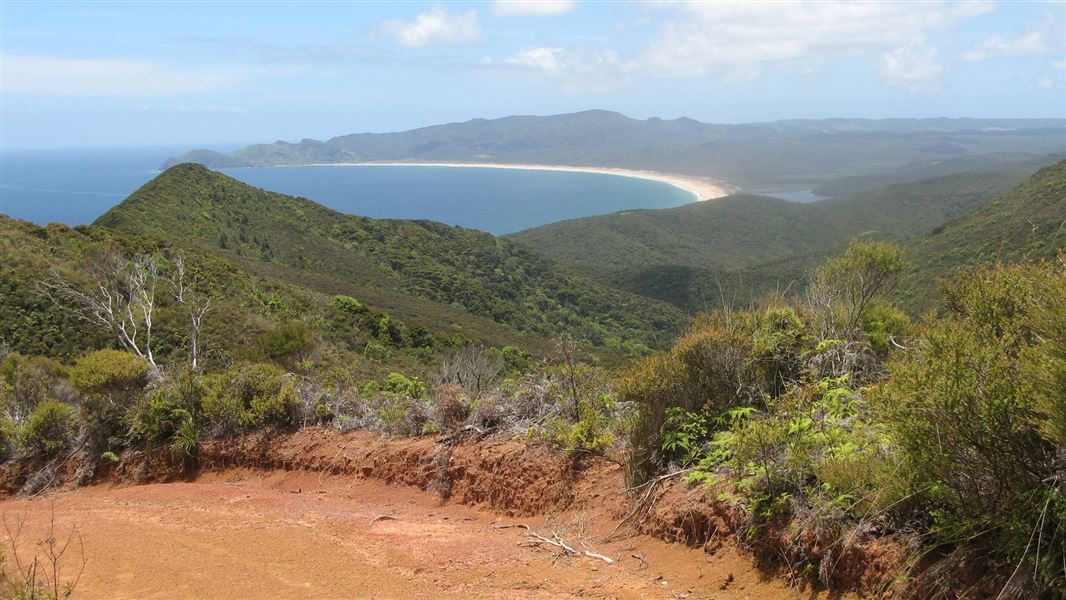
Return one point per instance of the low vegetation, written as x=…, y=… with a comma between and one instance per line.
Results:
x=799, y=411
x=836, y=410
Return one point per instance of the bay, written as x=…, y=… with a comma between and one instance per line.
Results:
x=77, y=186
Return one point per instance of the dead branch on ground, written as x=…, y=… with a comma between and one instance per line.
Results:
x=647, y=499
x=536, y=540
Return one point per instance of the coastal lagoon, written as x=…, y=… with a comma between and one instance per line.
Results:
x=77, y=186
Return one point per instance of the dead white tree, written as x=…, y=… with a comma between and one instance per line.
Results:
x=120, y=297
x=183, y=288
x=472, y=367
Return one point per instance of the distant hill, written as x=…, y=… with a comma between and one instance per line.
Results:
x=802, y=153
x=927, y=169
x=458, y=280
x=748, y=245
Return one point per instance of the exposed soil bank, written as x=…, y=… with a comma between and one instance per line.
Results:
x=291, y=516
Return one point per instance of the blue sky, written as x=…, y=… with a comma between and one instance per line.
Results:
x=167, y=73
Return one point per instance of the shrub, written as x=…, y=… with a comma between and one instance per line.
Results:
x=814, y=445
x=111, y=380
x=472, y=367
x=451, y=406
x=844, y=287
x=8, y=439
x=727, y=359
x=280, y=409
x=883, y=323
x=591, y=432
x=50, y=429
x=109, y=371
x=779, y=341
x=655, y=384
x=288, y=343
x=398, y=414
x=158, y=418
x=397, y=383
x=24, y=383
x=517, y=406
x=1045, y=363
x=250, y=395
x=515, y=359
x=348, y=305
x=685, y=435
x=971, y=409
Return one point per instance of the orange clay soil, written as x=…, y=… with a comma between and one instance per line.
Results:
x=295, y=531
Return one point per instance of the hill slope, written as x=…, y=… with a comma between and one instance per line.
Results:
x=746, y=244
x=417, y=270
x=1028, y=221
x=246, y=307
x=756, y=155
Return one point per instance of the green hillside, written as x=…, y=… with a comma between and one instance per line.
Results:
x=247, y=308
x=1028, y=221
x=743, y=246
x=755, y=155
x=457, y=280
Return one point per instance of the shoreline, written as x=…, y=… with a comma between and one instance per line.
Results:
x=702, y=188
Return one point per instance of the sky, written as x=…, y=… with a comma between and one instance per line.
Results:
x=97, y=74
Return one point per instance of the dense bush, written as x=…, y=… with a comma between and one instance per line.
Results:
x=727, y=360
x=111, y=381
x=109, y=371
x=843, y=289
x=288, y=343
x=452, y=405
x=50, y=429
x=816, y=444
x=250, y=395
x=164, y=418
x=976, y=410
x=410, y=387
x=25, y=382
x=594, y=430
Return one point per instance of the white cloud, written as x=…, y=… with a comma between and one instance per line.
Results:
x=740, y=39
x=578, y=67
x=435, y=27
x=1036, y=41
x=1033, y=43
x=532, y=8
x=104, y=77
x=914, y=67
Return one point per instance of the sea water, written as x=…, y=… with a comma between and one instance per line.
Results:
x=77, y=186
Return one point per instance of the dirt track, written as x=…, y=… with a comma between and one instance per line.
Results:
x=255, y=534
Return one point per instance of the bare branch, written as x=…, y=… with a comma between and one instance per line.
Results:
x=120, y=298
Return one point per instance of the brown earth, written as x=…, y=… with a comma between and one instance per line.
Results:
x=319, y=514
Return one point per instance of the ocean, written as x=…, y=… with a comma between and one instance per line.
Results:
x=77, y=186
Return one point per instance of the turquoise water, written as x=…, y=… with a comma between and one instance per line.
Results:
x=77, y=186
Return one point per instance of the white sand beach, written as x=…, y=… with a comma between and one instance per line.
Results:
x=703, y=188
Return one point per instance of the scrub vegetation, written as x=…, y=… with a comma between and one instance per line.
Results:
x=831, y=411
